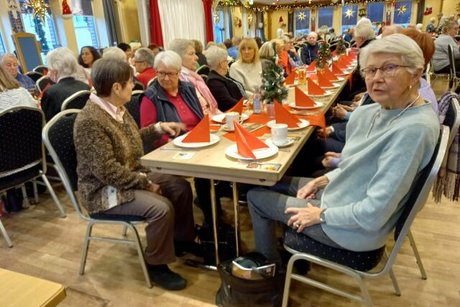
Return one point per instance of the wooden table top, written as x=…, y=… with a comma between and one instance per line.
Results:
x=24, y=290
x=212, y=163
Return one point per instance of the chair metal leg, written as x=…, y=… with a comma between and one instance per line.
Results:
x=5, y=235
x=53, y=195
x=140, y=253
x=125, y=231
x=287, y=284
x=417, y=255
x=84, y=250
x=395, y=283
x=34, y=185
x=25, y=201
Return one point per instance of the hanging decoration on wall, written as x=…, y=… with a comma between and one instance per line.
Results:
x=362, y=12
x=250, y=19
x=402, y=10
x=349, y=13
x=66, y=11
x=428, y=11
x=301, y=16
x=14, y=14
x=280, y=20
x=39, y=8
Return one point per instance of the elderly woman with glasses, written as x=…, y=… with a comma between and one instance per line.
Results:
x=186, y=50
x=225, y=89
x=112, y=181
x=388, y=144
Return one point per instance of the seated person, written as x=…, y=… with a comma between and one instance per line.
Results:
x=388, y=144
x=143, y=62
x=247, y=69
x=441, y=55
x=310, y=50
x=172, y=100
x=112, y=181
x=12, y=94
x=186, y=50
x=225, y=89
x=62, y=68
x=10, y=62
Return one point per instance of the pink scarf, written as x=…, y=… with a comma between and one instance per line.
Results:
x=209, y=105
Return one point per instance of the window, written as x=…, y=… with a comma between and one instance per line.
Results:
x=2, y=46
x=325, y=16
x=45, y=30
x=349, y=17
x=302, y=22
x=402, y=13
x=375, y=11
x=83, y=23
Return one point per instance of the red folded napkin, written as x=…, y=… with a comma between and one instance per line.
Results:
x=290, y=79
x=336, y=70
x=317, y=119
x=301, y=99
x=283, y=116
x=341, y=65
x=238, y=107
x=345, y=60
x=323, y=81
x=329, y=75
x=314, y=89
x=312, y=66
x=246, y=142
x=200, y=133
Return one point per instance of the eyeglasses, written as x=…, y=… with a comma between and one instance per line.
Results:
x=162, y=74
x=387, y=70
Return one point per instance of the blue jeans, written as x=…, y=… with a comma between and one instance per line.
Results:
x=267, y=207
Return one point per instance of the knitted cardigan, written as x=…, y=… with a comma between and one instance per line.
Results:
x=108, y=156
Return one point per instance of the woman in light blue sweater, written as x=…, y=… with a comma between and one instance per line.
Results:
x=441, y=57
x=356, y=206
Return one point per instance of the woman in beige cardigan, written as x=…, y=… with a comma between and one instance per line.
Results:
x=111, y=180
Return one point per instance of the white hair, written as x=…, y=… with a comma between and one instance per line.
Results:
x=144, y=55
x=364, y=29
x=63, y=61
x=214, y=56
x=114, y=53
x=180, y=45
x=169, y=59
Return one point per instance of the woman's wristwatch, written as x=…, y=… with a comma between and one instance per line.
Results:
x=322, y=217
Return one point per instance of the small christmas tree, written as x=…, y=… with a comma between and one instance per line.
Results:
x=324, y=55
x=341, y=48
x=272, y=81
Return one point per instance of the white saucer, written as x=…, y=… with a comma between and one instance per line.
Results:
x=289, y=142
x=317, y=105
x=303, y=123
x=326, y=93
x=178, y=142
x=271, y=150
x=220, y=118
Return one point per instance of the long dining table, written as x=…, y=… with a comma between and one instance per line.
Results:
x=211, y=162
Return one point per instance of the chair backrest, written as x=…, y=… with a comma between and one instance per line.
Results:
x=21, y=147
x=34, y=75
x=41, y=69
x=58, y=138
x=453, y=69
x=418, y=194
x=452, y=119
x=428, y=72
x=151, y=81
x=203, y=70
x=76, y=100
x=133, y=106
x=138, y=86
x=205, y=77
x=43, y=83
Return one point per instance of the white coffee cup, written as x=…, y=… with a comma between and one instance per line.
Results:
x=230, y=117
x=280, y=134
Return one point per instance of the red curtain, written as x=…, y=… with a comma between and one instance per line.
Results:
x=156, y=36
x=207, y=6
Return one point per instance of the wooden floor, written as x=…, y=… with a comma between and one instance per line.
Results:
x=49, y=247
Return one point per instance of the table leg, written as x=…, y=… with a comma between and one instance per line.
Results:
x=214, y=220
x=236, y=212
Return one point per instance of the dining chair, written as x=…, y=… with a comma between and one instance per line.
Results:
x=41, y=69
x=203, y=70
x=138, y=86
x=76, y=101
x=361, y=265
x=43, y=83
x=454, y=80
x=58, y=138
x=151, y=81
x=22, y=152
x=133, y=106
x=34, y=75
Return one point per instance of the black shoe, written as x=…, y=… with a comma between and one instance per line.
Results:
x=165, y=278
x=190, y=247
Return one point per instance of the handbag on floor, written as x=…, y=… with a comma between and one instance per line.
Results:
x=250, y=280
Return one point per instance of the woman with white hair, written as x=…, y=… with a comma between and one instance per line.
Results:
x=185, y=48
x=225, y=89
x=63, y=69
x=441, y=56
x=394, y=138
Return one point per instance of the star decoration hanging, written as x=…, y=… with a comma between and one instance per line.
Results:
x=301, y=16
x=39, y=8
x=349, y=13
x=402, y=9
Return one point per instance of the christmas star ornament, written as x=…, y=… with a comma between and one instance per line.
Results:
x=301, y=16
x=349, y=13
x=402, y=10
x=39, y=8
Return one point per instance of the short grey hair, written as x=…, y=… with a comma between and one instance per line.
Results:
x=114, y=53
x=169, y=59
x=397, y=44
x=180, y=45
x=144, y=55
x=63, y=61
x=267, y=50
x=364, y=29
x=215, y=55
x=9, y=55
